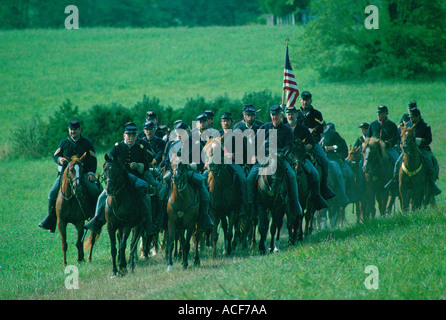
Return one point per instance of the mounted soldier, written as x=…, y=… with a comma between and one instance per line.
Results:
x=188, y=145
x=423, y=138
x=336, y=148
x=312, y=118
x=284, y=145
x=136, y=159
x=302, y=134
x=75, y=145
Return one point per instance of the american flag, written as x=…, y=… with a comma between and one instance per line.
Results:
x=291, y=92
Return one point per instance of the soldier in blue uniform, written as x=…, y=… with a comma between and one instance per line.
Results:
x=302, y=134
x=195, y=172
x=423, y=138
x=75, y=145
x=136, y=158
x=156, y=143
x=312, y=118
x=236, y=168
x=385, y=130
x=284, y=145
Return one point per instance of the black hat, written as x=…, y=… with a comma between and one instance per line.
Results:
x=180, y=124
x=151, y=114
x=331, y=125
x=249, y=108
x=209, y=113
x=382, y=109
x=405, y=117
x=74, y=124
x=364, y=125
x=412, y=105
x=275, y=109
x=130, y=128
x=290, y=109
x=306, y=95
x=201, y=117
x=226, y=115
x=149, y=124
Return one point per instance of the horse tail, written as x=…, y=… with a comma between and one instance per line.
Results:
x=87, y=244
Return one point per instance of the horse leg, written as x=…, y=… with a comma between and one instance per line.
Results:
x=122, y=246
x=170, y=245
x=263, y=228
x=227, y=244
x=230, y=234
x=90, y=243
x=133, y=248
x=197, y=253
x=214, y=236
x=79, y=244
x=272, y=231
x=113, y=251
x=62, y=226
x=185, y=244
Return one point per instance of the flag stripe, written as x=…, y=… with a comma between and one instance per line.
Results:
x=289, y=82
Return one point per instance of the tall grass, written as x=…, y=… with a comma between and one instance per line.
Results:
x=408, y=250
x=41, y=68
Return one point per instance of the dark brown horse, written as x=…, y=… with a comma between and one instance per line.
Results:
x=412, y=174
x=272, y=196
x=378, y=170
x=182, y=213
x=295, y=230
x=225, y=198
x=72, y=206
x=122, y=212
x=353, y=159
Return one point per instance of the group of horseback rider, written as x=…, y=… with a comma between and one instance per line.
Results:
x=144, y=153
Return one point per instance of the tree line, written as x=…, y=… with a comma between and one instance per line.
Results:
x=20, y=14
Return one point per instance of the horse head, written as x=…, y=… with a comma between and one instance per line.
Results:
x=374, y=154
x=74, y=172
x=353, y=154
x=213, y=152
x=115, y=176
x=408, y=143
x=179, y=172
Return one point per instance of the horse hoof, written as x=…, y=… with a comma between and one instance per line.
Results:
x=169, y=268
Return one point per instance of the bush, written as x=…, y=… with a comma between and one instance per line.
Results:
x=104, y=124
x=410, y=40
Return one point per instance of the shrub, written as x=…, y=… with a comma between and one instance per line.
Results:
x=410, y=40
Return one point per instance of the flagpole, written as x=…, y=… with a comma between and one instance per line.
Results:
x=283, y=91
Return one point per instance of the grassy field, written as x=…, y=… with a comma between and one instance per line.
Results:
x=41, y=68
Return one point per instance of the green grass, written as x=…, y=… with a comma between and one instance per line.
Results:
x=409, y=251
x=41, y=68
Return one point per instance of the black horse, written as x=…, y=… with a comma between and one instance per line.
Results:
x=122, y=213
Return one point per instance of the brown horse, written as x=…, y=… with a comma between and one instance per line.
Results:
x=225, y=198
x=122, y=212
x=182, y=213
x=72, y=206
x=412, y=176
x=378, y=170
x=272, y=195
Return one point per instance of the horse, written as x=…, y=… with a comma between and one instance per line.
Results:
x=272, y=195
x=412, y=174
x=72, y=206
x=225, y=198
x=295, y=228
x=353, y=159
x=378, y=170
x=182, y=214
x=122, y=213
